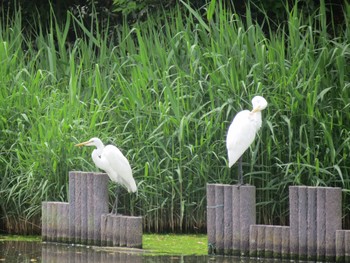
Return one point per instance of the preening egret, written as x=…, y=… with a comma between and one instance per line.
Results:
x=110, y=159
x=242, y=131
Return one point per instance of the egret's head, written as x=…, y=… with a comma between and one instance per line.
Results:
x=259, y=104
x=92, y=142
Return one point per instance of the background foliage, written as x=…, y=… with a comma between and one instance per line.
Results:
x=165, y=90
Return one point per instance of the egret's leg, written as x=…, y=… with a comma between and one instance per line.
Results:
x=115, y=205
x=240, y=170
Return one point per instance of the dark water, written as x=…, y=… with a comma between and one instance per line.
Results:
x=21, y=251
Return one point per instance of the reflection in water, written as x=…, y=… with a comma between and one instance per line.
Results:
x=20, y=251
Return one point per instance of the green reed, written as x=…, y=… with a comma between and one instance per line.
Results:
x=165, y=91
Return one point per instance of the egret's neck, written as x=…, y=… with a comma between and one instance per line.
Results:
x=96, y=156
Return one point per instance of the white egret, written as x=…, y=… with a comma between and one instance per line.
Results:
x=110, y=159
x=242, y=131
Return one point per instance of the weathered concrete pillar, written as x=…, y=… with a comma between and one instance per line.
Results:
x=100, y=203
x=269, y=241
x=247, y=215
x=315, y=215
x=103, y=238
x=44, y=220
x=122, y=231
x=340, y=245
x=134, y=232
x=219, y=218
x=260, y=244
x=236, y=220
x=285, y=242
x=52, y=222
x=311, y=225
x=62, y=221
x=211, y=212
x=84, y=208
x=109, y=230
x=253, y=240
x=333, y=208
x=116, y=230
x=71, y=200
x=78, y=204
x=90, y=209
x=228, y=233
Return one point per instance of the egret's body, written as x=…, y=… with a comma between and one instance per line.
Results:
x=242, y=132
x=110, y=159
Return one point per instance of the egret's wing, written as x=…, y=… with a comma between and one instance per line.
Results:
x=119, y=167
x=240, y=136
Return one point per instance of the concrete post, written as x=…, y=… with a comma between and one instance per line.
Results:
x=44, y=220
x=333, y=208
x=122, y=231
x=321, y=223
x=90, y=209
x=100, y=203
x=219, y=218
x=71, y=207
x=294, y=221
x=211, y=211
x=84, y=208
x=134, y=232
x=228, y=233
x=116, y=230
x=285, y=242
x=253, y=239
x=311, y=226
x=247, y=215
x=78, y=209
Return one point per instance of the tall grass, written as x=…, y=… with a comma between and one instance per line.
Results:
x=165, y=91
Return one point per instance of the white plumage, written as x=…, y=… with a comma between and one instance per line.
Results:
x=110, y=159
x=243, y=129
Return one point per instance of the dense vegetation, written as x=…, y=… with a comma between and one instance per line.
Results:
x=164, y=91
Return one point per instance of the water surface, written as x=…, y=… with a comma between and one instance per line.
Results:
x=25, y=251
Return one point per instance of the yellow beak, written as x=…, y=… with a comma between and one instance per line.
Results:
x=255, y=110
x=82, y=144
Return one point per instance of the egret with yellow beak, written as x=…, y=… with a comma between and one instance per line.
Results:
x=242, y=131
x=110, y=159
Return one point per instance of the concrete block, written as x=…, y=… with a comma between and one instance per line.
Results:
x=134, y=232
x=269, y=241
x=116, y=230
x=228, y=220
x=100, y=203
x=44, y=220
x=277, y=241
x=321, y=223
x=52, y=222
x=253, y=239
x=211, y=224
x=302, y=222
x=347, y=245
x=62, y=221
x=122, y=229
x=103, y=238
x=333, y=208
x=285, y=249
x=236, y=221
x=247, y=215
x=294, y=221
x=311, y=225
x=260, y=243
x=83, y=209
x=78, y=204
x=219, y=218
x=340, y=245
x=90, y=208
x=109, y=230
x=71, y=199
